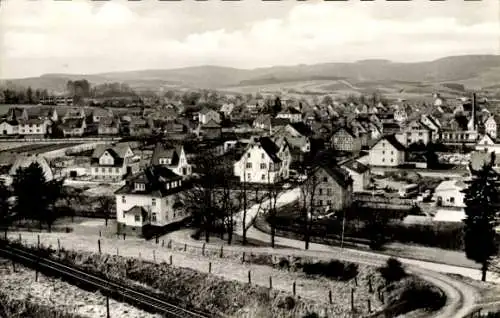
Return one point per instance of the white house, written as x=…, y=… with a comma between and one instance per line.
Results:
x=486, y=143
x=415, y=132
x=152, y=198
x=173, y=158
x=490, y=127
x=111, y=163
x=292, y=114
x=387, y=151
x=227, y=109
x=360, y=174
x=264, y=162
x=74, y=127
x=34, y=126
x=206, y=115
x=449, y=193
x=433, y=124
x=9, y=128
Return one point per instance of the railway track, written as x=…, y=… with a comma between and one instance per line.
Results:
x=121, y=291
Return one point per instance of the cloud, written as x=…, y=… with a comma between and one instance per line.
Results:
x=86, y=37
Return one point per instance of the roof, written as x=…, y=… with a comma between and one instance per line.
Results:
x=101, y=112
x=137, y=210
x=72, y=123
x=290, y=110
x=263, y=119
x=39, y=111
x=31, y=121
x=448, y=185
x=119, y=149
x=301, y=128
x=108, y=122
x=479, y=158
x=346, y=129
x=164, y=151
x=338, y=174
x=155, y=179
x=270, y=148
x=446, y=215
x=206, y=110
x=211, y=124
x=356, y=166
x=393, y=141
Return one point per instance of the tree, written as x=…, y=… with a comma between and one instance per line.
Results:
x=35, y=196
x=327, y=100
x=308, y=192
x=277, y=105
x=29, y=95
x=481, y=200
x=6, y=213
x=105, y=207
x=376, y=229
x=273, y=191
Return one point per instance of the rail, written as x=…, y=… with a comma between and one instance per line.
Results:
x=145, y=300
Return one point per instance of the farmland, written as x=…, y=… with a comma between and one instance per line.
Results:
x=35, y=149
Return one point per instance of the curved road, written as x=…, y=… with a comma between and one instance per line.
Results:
x=461, y=297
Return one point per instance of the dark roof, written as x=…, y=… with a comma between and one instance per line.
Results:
x=356, y=166
x=155, y=179
x=137, y=210
x=72, y=123
x=302, y=128
x=338, y=174
x=210, y=124
x=347, y=130
x=164, y=151
x=270, y=148
x=394, y=142
x=290, y=110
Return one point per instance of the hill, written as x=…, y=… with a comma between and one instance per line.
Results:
x=472, y=71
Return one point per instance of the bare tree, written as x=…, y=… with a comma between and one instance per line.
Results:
x=105, y=207
x=273, y=191
x=308, y=192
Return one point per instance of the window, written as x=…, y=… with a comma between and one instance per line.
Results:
x=153, y=202
x=320, y=191
x=249, y=165
x=420, y=134
x=329, y=202
x=392, y=160
x=140, y=186
x=262, y=156
x=329, y=191
x=110, y=170
x=153, y=217
x=320, y=202
x=263, y=177
x=96, y=169
x=263, y=166
x=123, y=199
x=123, y=214
x=452, y=200
x=325, y=179
x=117, y=170
x=383, y=159
x=383, y=152
x=248, y=155
x=392, y=152
x=137, y=218
x=103, y=169
x=249, y=176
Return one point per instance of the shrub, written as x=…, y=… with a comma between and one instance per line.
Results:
x=311, y=315
x=333, y=269
x=393, y=270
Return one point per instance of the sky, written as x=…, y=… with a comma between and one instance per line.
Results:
x=85, y=37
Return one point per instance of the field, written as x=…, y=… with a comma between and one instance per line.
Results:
x=57, y=295
x=35, y=149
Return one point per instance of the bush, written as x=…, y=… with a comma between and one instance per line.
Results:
x=24, y=308
x=333, y=269
x=311, y=315
x=393, y=270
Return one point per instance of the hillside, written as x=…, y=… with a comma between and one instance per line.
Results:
x=473, y=71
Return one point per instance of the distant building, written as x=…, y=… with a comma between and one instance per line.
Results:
x=172, y=157
x=344, y=139
x=415, y=132
x=360, y=175
x=449, y=193
x=24, y=161
x=111, y=163
x=388, y=151
x=74, y=127
x=292, y=114
x=206, y=115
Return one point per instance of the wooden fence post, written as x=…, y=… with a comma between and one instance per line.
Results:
x=38, y=244
x=203, y=250
x=221, y=251
x=249, y=277
x=13, y=266
x=99, y=246
x=169, y=244
x=270, y=282
x=171, y=260
x=330, y=297
x=369, y=305
x=294, y=288
x=352, y=299
x=157, y=239
x=154, y=256
x=107, y=307
x=209, y=267
x=100, y=233
x=117, y=251
x=356, y=280
x=162, y=243
x=185, y=247
x=370, y=287
x=124, y=235
x=20, y=238
x=243, y=258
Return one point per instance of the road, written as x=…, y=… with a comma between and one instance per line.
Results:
x=461, y=297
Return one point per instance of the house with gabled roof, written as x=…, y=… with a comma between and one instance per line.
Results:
x=360, y=174
x=333, y=190
x=151, y=199
x=206, y=115
x=108, y=126
x=264, y=162
x=491, y=126
x=227, y=109
x=344, y=139
x=34, y=127
x=387, y=151
x=9, y=127
x=74, y=127
x=209, y=130
x=111, y=163
x=172, y=157
x=415, y=132
x=99, y=113
x=292, y=114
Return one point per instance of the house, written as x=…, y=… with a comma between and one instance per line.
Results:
x=139, y=127
x=151, y=199
x=37, y=127
x=264, y=162
x=360, y=174
x=297, y=136
x=449, y=193
x=226, y=109
x=44, y=113
x=108, y=126
x=292, y=114
x=344, y=139
x=387, y=151
x=433, y=124
x=210, y=130
x=25, y=161
x=415, y=132
x=101, y=113
x=16, y=113
x=206, y=115
x=74, y=127
x=491, y=126
x=75, y=112
x=487, y=144
x=9, y=127
x=262, y=121
x=111, y=163
x=173, y=158
x=333, y=188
